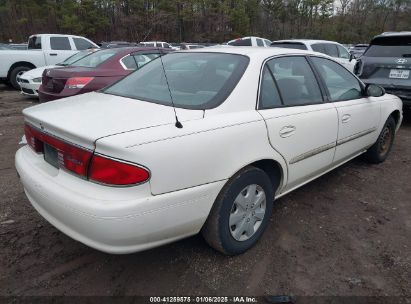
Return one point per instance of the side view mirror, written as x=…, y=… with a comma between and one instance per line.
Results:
x=351, y=57
x=374, y=90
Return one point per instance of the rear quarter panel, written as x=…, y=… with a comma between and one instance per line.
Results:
x=203, y=151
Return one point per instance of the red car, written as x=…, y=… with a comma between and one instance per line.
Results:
x=95, y=71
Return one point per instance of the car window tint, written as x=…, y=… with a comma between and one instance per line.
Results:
x=82, y=44
x=34, y=43
x=269, y=97
x=295, y=80
x=241, y=42
x=289, y=45
x=260, y=42
x=341, y=84
x=318, y=47
x=60, y=43
x=343, y=52
x=97, y=58
x=195, y=80
x=331, y=49
x=129, y=62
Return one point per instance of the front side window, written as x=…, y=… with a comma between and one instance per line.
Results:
x=343, y=52
x=340, y=83
x=82, y=44
x=295, y=80
x=260, y=42
x=196, y=80
x=96, y=58
x=318, y=47
x=34, y=43
x=60, y=43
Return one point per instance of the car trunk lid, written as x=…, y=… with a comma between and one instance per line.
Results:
x=84, y=119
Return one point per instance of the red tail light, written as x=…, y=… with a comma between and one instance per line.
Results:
x=78, y=82
x=32, y=136
x=112, y=172
x=76, y=159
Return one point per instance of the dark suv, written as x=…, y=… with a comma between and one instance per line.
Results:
x=387, y=62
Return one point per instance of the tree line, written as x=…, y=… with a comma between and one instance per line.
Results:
x=346, y=21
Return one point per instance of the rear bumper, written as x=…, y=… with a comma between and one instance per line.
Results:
x=48, y=96
x=113, y=220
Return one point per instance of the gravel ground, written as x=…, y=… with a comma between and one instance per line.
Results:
x=347, y=233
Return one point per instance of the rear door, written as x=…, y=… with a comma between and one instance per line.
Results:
x=301, y=127
x=358, y=115
x=59, y=49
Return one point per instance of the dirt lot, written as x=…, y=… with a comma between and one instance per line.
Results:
x=347, y=233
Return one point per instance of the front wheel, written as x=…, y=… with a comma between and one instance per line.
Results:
x=382, y=147
x=240, y=213
x=15, y=73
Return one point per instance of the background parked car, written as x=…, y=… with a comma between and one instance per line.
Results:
x=4, y=46
x=44, y=49
x=330, y=48
x=250, y=41
x=358, y=49
x=159, y=44
x=191, y=46
x=117, y=44
x=95, y=71
x=31, y=80
x=387, y=62
x=18, y=46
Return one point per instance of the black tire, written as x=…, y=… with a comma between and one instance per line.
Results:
x=381, y=148
x=217, y=231
x=13, y=75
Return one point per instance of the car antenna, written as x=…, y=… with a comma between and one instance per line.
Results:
x=178, y=123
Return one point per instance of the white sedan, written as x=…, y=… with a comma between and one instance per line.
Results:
x=330, y=48
x=122, y=170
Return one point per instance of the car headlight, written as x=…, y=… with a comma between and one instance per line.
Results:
x=38, y=79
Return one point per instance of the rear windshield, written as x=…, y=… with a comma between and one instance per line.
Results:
x=240, y=42
x=196, y=80
x=75, y=57
x=96, y=58
x=390, y=47
x=289, y=45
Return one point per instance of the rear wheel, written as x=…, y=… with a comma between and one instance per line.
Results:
x=382, y=147
x=240, y=213
x=16, y=72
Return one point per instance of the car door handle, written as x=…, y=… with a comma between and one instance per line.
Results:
x=53, y=54
x=287, y=131
x=346, y=118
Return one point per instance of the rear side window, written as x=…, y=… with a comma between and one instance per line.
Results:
x=390, y=47
x=241, y=42
x=295, y=80
x=60, y=43
x=318, y=47
x=331, y=49
x=269, y=97
x=34, y=43
x=289, y=45
x=260, y=42
x=136, y=61
x=82, y=44
x=340, y=83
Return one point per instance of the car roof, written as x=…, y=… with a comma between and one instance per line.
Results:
x=309, y=41
x=248, y=51
x=402, y=33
